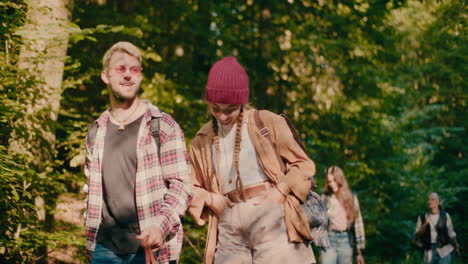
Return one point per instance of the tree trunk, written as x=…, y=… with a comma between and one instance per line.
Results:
x=42, y=56
x=41, y=63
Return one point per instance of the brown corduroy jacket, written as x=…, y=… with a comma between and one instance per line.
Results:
x=298, y=168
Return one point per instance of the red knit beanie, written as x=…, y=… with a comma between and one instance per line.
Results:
x=228, y=83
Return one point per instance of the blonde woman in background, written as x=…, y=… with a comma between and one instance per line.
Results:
x=345, y=228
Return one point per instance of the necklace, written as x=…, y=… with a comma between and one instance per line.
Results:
x=122, y=122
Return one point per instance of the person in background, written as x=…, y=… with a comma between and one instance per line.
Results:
x=345, y=228
x=251, y=204
x=138, y=187
x=436, y=230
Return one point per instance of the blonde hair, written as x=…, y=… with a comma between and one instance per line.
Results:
x=122, y=46
x=239, y=121
x=344, y=194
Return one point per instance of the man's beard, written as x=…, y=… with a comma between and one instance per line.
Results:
x=119, y=97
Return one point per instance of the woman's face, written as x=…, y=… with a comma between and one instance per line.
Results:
x=331, y=181
x=433, y=201
x=226, y=114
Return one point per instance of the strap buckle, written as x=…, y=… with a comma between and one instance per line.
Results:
x=264, y=131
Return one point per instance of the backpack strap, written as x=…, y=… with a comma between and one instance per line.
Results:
x=294, y=133
x=91, y=136
x=155, y=132
x=154, y=129
x=266, y=133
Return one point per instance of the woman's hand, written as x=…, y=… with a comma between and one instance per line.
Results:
x=424, y=225
x=457, y=246
x=360, y=259
x=428, y=220
x=218, y=203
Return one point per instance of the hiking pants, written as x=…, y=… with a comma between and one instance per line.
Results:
x=249, y=233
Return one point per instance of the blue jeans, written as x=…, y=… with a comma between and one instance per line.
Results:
x=339, y=251
x=103, y=255
x=436, y=259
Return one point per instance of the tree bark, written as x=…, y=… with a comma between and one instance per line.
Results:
x=45, y=39
x=41, y=63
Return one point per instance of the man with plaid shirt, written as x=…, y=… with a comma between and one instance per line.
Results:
x=138, y=183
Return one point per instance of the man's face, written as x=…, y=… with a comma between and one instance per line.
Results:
x=123, y=76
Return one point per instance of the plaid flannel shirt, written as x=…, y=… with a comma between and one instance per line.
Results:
x=163, y=188
x=359, y=226
x=359, y=234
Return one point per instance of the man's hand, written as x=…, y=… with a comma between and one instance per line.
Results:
x=152, y=238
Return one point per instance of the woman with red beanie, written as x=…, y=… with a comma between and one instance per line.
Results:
x=250, y=202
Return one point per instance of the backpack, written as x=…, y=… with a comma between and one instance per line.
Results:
x=314, y=208
x=154, y=129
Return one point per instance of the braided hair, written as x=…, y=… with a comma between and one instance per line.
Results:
x=239, y=122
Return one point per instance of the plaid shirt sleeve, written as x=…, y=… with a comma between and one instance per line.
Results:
x=176, y=173
x=359, y=226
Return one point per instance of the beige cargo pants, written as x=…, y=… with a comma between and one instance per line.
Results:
x=256, y=234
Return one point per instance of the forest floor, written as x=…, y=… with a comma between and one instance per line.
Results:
x=69, y=214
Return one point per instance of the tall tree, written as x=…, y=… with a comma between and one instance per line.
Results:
x=41, y=64
x=45, y=40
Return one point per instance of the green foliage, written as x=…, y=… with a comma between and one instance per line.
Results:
x=23, y=228
x=194, y=241
x=28, y=190
x=377, y=87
